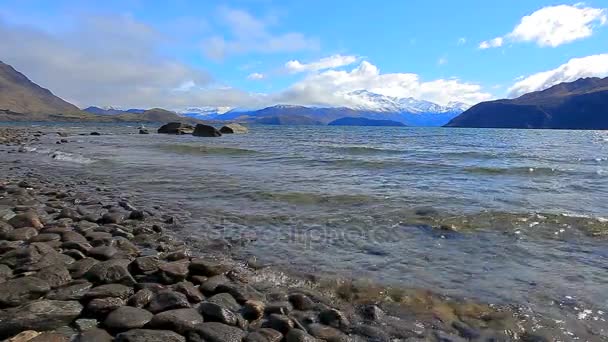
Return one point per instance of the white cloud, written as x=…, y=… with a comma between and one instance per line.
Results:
x=256, y=76
x=126, y=70
x=331, y=62
x=442, y=60
x=331, y=87
x=251, y=34
x=492, y=43
x=555, y=25
x=590, y=66
x=462, y=41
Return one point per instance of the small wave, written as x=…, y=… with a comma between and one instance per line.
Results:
x=72, y=158
x=313, y=198
x=486, y=170
x=205, y=150
x=364, y=150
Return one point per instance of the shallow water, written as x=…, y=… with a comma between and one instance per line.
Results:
x=529, y=205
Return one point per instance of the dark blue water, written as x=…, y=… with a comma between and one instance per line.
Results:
x=525, y=208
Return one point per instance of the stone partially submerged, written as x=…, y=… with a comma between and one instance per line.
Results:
x=234, y=128
x=206, y=131
x=176, y=128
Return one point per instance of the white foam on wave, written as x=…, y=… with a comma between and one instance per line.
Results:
x=72, y=158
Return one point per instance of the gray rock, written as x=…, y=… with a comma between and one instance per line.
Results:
x=168, y=300
x=210, y=285
x=22, y=234
x=207, y=268
x=216, y=313
x=327, y=333
x=127, y=317
x=71, y=292
x=301, y=302
x=46, y=237
x=69, y=213
x=85, y=324
x=218, y=332
x=280, y=323
x=179, y=320
x=234, y=128
x=55, y=276
x=372, y=312
x=99, y=307
x=70, y=236
x=39, y=315
x=296, y=335
x=191, y=291
x=102, y=252
x=81, y=267
x=264, y=335
x=281, y=308
x=5, y=273
x=225, y=300
x=26, y=219
x=110, y=290
x=442, y=336
x=111, y=271
x=94, y=335
x=206, y=131
x=143, y=131
x=57, y=336
x=111, y=218
x=176, y=128
x=173, y=272
x=333, y=318
x=146, y=335
x=142, y=298
x=21, y=290
x=253, y=310
x=241, y=292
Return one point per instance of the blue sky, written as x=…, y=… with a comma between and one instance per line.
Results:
x=235, y=53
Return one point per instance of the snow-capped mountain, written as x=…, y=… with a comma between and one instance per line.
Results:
x=203, y=112
x=368, y=101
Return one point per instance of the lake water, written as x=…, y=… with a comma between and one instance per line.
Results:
x=524, y=211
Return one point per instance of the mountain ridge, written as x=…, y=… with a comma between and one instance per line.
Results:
x=581, y=104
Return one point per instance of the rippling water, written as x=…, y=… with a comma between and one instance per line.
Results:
x=528, y=206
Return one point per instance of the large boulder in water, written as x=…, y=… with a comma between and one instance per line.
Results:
x=234, y=128
x=176, y=128
x=206, y=131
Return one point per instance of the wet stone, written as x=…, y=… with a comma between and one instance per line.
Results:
x=85, y=324
x=179, y=320
x=333, y=318
x=46, y=237
x=225, y=300
x=27, y=219
x=168, y=300
x=327, y=333
x=55, y=276
x=110, y=290
x=207, y=268
x=443, y=336
x=142, y=298
x=111, y=271
x=264, y=335
x=94, y=335
x=281, y=308
x=218, y=332
x=70, y=236
x=280, y=323
x=216, y=313
x=70, y=292
x=296, y=335
x=173, y=272
x=102, y=252
x=102, y=306
x=21, y=290
x=301, y=302
x=146, y=335
x=50, y=337
x=187, y=288
x=22, y=234
x=253, y=310
x=127, y=317
x=39, y=315
x=210, y=286
x=79, y=268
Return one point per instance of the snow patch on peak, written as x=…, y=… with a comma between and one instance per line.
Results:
x=366, y=100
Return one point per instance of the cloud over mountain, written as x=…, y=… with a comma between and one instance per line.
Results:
x=590, y=66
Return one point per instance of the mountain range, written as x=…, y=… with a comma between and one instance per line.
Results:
x=582, y=104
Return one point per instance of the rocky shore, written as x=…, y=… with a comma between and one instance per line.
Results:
x=81, y=263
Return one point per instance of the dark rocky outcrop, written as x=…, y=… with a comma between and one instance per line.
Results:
x=582, y=104
x=40, y=315
x=206, y=131
x=176, y=128
x=234, y=128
